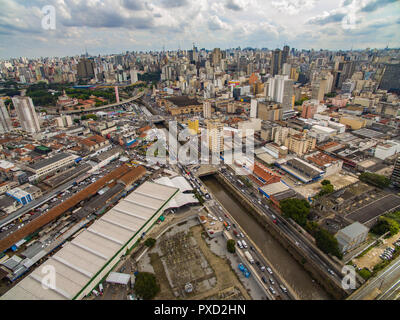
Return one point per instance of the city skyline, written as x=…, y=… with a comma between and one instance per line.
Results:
x=107, y=27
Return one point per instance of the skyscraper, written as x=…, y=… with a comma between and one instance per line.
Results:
x=280, y=89
x=285, y=55
x=206, y=109
x=85, y=69
x=391, y=78
x=253, y=108
x=5, y=122
x=216, y=57
x=215, y=136
x=26, y=114
x=395, y=178
x=276, y=62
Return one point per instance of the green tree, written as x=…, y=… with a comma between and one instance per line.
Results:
x=327, y=242
x=325, y=182
x=296, y=209
x=230, y=246
x=376, y=180
x=326, y=189
x=384, y=225
x=146, y=285
x=150, y=242
x=365, y=273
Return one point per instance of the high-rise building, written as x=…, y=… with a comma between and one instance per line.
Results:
x=285, y=55
x=215, y=136
x=253, y=108
x=134, y=76
x=280, y=89
x=5, y=122
x=391, y=78
x=309, y=109
x=26, y=114
x=216, y=57
x=86, y=69
x=318, y=89
x=206, y=109
x=395, y=177
x=276, y=62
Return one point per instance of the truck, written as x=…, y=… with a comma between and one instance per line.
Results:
x=249, y=257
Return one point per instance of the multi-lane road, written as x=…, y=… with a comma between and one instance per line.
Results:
x=259, y=202
x=387, y=282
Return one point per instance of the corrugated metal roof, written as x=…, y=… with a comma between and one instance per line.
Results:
x=82, y=258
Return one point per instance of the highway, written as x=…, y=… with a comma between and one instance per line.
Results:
x=270, y=278
x=288, y=229
x=387, y=281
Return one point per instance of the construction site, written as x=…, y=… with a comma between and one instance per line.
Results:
x=186, y=268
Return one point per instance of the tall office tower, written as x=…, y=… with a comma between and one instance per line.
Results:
x=253, y=108
x=216, y=57
x=206, y=109
x=285, y=55
x=26, y=114
x=215, y=136
x=329, y=82
x=85, y=69
x=134, y=76
x=286, y=69
x=395, y=177
x=281, y=90
x=5, y=121
x=276, y=62
x=391, y=78
x=318, y=89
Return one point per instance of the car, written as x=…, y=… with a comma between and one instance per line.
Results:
x=264, y=279
x=283, y=288
x=220, y=219
x=262, y=268
x=331, y=272
x=258, y=263
x=272, y=290
x=234, y=225
x=269, y=270
x=242, y=235
x=252, y=248
x=272, y=281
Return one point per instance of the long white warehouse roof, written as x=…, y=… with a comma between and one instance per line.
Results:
x=85, y=257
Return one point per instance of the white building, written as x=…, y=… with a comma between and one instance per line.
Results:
x=280, y=89
x=253, y=108
x=387, y=149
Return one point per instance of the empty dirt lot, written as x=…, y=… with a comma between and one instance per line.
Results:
x=183, y=256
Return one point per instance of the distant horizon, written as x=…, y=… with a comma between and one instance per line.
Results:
x=199, y=49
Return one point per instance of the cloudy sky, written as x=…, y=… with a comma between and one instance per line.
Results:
x=114, y=26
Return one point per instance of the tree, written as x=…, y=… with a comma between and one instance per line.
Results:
x=230, y=246
x=384, y=225
x=150, y=242
x=376, y=180
x=325, y=182
x=146, y=285
x=296, y=209
x=327, y=242
x=326, y=189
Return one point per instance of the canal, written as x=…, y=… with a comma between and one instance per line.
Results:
x=289, y=268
